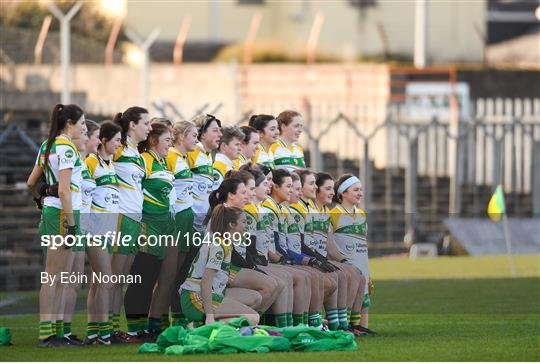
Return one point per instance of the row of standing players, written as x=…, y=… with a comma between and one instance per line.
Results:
x=301, y=237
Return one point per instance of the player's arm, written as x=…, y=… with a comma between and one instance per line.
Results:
x=206, y=293
x=33, y=180
x=64, y=193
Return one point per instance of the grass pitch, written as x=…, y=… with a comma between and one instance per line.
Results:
x=449, y=308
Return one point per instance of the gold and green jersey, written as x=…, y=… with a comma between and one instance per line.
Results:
x=106, y=195
x=290, y=157
x=88, y=186
x=240, y=161
x=257, y=224
x=296, y=226
x=63, y=154
x=350, y=235
x=222, y=165
x=216, y=256
x=129, y=167
x=264, y=157
x=157, y=184
x=321, y=227
x=183, y=179
x=307, y=209
x=277, y=222
x=200, y=162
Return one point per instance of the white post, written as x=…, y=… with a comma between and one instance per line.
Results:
x=420, y=34
x=144, y=46
x=215, y=20
x=508, y=246
x=65, y=33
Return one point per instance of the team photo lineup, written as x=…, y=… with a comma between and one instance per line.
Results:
x=190, y=222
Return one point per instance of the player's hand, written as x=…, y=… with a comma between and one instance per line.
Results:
x=371, y=287
x=313, y=262
x=39, y=203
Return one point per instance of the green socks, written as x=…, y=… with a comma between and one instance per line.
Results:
x=104, y=329
x=45, y=329
x=92, y=329
x=332, y=317
x=59, y=328
x=342, y=317
x=115, y=322
x=281, y=320
x=306, y=318
x=315, y=319
x=289, y=319
x=67, y=329
x=298, y=319
x=355, y=317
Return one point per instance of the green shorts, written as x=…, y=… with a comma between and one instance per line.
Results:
x=52, y=224
x=126, y=245
x=192, y=305
x=157, y=232
x=183, y=222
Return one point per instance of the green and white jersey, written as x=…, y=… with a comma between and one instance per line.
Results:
x=295, y=226
x=201, y=165
x=214, y=256
x=321, y=227
x=106, y=194
x=222, y=165
x=264, y=157
x=129, y=167
x=308, y=210
x=62, y=155
x=277, y=222
x=350, y=235
x=157, y=184
x=183, y=180
x=88, y=187
x=290, y=157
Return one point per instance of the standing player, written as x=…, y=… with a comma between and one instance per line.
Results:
x=349, y=227
x=104, y=217
x=200, y=162
x=129, y=167
x=267, y=127
x=287, y=153
x=157, y=231
x=60, y=162
x=184, y=135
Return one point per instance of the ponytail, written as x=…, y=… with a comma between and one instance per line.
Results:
x=222, y=218
x=132, y=114
x=60, y=117
x=219, y=196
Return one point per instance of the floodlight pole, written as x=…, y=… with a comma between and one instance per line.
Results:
x=178, y=52
x=38, y=49
x=65, y=34
x=420, y=34
x=144, y=46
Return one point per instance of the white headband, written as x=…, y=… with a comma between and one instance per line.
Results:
x=347, y=184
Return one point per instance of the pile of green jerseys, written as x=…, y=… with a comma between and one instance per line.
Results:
x=225, y=338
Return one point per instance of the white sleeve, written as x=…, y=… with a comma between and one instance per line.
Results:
x=67, y=157
x=216, y=254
